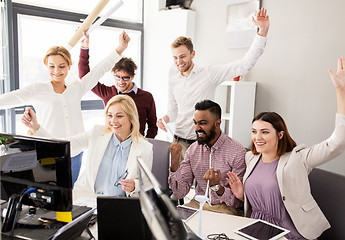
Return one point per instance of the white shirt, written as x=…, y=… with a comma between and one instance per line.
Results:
x=201, y=84
x=59, y=114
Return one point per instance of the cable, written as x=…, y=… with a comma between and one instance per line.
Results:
x=19, y=204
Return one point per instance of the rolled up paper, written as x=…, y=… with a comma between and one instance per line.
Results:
x=104, y=17
x=87, y=23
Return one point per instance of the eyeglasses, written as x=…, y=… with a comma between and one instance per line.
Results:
x=221, y=236
x=124, y=175
x=124, y=78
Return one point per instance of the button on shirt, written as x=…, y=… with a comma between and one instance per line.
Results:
x=226, y=155
x=201, y=84
x=112, y=167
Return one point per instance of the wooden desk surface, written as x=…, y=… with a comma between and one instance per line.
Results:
x=219, y=223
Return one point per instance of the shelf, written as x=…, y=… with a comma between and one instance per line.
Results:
x=236, y=83
x=238, y=110
x=226, y=116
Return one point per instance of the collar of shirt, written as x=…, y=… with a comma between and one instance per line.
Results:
x=217, y=144
x=134, y=89
x=124, y=144
x=195, y=70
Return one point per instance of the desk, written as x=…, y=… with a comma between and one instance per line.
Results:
x=219, y=223
x=212, y=223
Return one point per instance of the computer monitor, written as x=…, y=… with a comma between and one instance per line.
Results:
x=41, y=165
x=160, y=213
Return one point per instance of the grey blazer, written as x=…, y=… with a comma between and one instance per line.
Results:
x=292, y=175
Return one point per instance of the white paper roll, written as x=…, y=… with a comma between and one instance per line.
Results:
x=104, y=17
x=87, y=23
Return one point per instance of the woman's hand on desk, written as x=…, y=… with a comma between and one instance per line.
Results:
x=29, y=119
x=128, y=185
x=235, y=185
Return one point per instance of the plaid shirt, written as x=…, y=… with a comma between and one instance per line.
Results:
x=226, y=155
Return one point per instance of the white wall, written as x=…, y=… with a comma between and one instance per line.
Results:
x=161, y=28
x=305, y=39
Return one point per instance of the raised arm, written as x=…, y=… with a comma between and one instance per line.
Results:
x=338, y=80
x=83, y=65
x=19, y=97
x=262, y=21
x=123, y=42
x=91, y=79
x=335, y=144
x=223, y=72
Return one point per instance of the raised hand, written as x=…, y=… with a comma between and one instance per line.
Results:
x=123, y=42
x=235, y=185
x=85, y=41
x=175, y=151
x=29, y=119
x=338, y=79
x=262, y=21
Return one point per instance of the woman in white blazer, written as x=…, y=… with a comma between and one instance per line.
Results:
x=111, y=165
x=276, y=186
x=57, y=103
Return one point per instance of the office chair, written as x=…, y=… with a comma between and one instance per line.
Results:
x=161, y=162
x=328, y=190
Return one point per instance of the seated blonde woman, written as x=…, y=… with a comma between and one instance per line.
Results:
x=111, y=165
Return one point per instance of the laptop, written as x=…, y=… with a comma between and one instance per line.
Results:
x=121, y=217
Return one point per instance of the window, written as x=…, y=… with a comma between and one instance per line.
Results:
x=131, y=10
x=56, y=27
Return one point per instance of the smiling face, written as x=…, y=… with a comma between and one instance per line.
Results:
x=265, y=137
x=57, y=68
x=206, y=127
x=183, y=59
x=123, y=81
x=118, y=121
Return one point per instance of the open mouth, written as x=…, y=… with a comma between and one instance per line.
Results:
x=201, y=134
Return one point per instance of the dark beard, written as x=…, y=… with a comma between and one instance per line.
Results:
x=208, y=138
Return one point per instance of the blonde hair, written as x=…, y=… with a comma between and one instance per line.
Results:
x=183, y=41
x=58, y=50
x=129, y=107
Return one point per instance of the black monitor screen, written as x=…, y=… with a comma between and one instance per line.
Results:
x=38, y=163
x=160, y=213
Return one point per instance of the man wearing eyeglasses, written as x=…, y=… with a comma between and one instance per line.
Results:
x=124, y=72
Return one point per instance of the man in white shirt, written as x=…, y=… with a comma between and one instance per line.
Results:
x=193, y=83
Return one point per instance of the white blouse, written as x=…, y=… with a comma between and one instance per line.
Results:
x=59, y=114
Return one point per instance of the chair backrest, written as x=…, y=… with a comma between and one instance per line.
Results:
x=161, y=161
x=328, y=189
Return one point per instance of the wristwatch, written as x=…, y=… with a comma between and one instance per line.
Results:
x=215, y=187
